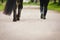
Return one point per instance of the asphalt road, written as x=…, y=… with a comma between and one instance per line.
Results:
x=31, y=26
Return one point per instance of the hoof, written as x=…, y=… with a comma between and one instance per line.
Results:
x=18, y=19
x=14, y=20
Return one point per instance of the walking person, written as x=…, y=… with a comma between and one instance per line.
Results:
x=43, y=8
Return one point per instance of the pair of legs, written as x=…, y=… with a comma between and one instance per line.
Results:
x=43, y=8
x=16, y=17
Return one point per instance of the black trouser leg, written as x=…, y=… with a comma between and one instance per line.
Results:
x=42, y=13
x=45, y=8
x=41, y=7
x=41, y=10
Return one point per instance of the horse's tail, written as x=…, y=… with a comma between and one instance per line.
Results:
x=10, y=5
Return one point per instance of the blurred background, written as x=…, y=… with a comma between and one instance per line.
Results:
x=53, y=5
x=31, y=27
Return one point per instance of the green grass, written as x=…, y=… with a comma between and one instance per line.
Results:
x=30, y=3
x=53, y=6
x=1, y=7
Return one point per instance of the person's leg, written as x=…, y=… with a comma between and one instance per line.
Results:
x=45, y=9
x=41, y=8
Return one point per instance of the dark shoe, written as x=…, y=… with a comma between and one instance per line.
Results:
x=42, y=16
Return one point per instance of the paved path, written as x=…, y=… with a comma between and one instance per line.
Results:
x=30, y=27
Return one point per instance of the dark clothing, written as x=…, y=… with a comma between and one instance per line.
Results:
x=43, y=6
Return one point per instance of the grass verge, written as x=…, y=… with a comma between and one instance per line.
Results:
x=51, y=6
x=2, y=7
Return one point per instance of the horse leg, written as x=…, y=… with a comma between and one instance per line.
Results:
x=20, y=6
x=19, y=13
x=14, y=14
